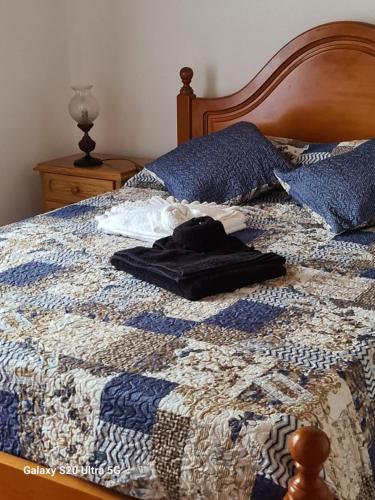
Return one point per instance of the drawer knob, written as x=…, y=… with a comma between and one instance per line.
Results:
x=75, y=190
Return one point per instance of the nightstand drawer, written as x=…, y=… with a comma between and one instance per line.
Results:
x=63, y=183
x=69, y=189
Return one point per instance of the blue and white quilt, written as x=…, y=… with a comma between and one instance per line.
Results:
x=139, y=390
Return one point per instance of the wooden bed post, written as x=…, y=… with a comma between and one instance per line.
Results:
x=309, y=447
x=184, y=106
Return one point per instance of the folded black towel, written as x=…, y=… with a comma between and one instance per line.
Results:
x=201, y=234
x=205, y=284
x=203, y=270
x=177, y=264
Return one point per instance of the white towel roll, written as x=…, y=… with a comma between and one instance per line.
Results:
x=157, y=217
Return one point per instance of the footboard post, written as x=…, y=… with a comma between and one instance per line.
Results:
x=309, y=447
x=184, y=106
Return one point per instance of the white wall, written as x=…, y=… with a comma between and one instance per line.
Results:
x=133, y=49
x=34, y=90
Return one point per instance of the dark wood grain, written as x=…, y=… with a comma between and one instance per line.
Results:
x=184, y=99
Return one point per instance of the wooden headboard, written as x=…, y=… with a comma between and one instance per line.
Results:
x=319, y=87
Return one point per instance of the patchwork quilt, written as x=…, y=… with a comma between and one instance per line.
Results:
x=138, y=390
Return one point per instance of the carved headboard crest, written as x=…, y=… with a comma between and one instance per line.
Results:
x=319, y=87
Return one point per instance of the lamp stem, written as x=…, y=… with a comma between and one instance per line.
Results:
x=86, y=144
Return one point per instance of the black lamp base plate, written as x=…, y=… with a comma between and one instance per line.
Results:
x=88, y=161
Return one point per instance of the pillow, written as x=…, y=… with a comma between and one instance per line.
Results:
x=145, y=179
x=305, y=153
x=229, y=166
x=340, y=189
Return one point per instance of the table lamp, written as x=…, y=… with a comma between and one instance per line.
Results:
x=84, y=109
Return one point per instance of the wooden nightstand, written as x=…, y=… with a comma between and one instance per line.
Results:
x=63, y=183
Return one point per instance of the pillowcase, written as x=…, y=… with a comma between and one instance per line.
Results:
x=340, y=189
x=229, y=166
x=146, y=180
x=304, y=153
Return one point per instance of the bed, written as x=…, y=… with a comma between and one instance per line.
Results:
x=146, y=395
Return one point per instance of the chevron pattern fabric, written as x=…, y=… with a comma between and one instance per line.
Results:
x=161, y=398
x=277, y=464
x=145, y=179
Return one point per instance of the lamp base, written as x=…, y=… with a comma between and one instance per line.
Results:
x=88, y=161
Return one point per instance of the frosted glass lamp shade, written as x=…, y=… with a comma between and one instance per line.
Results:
x=83, y=106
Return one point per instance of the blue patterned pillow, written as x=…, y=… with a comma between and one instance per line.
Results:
x=340, y=189
x=230, y=166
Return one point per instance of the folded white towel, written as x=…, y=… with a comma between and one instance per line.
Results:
x=157, y=217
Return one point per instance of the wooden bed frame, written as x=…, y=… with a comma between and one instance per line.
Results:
x=319, y=87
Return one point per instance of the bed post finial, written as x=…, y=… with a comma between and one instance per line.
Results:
x=309, y=447
x=186, y=75
x=184, y=111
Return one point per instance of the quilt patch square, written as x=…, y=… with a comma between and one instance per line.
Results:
x=369, y=273
x=131, y=401
x=168, y=442
x=134, y=348
x=158, y=323
x=217, y=335
x=163, y=356
x=246, y=315
x=265, y=488
x=70, y=211
x=27, y=274
x=367, y=299
x=249, y=234
x=132, y=447
x=9, y=424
